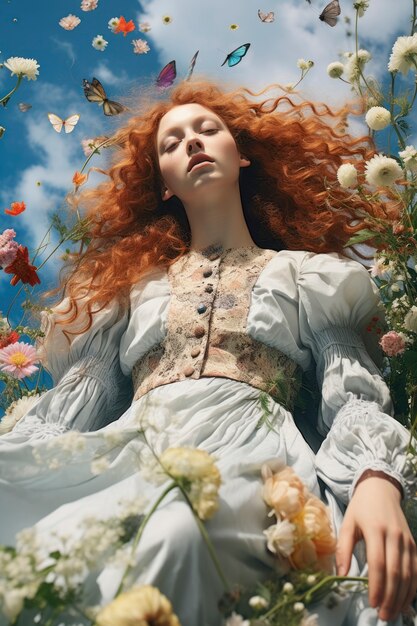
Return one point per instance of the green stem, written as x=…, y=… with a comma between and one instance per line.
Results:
x=309, y=596
x=207, y=541
x=139, y=533
x=7, y=97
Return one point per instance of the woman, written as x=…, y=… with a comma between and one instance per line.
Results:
x=215, y=270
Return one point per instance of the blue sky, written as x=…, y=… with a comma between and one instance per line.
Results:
x=31, y=151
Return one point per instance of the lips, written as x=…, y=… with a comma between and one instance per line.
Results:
x=198, y=158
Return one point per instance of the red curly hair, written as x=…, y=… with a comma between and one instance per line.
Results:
x=290, y=195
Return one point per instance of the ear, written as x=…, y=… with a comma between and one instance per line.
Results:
x=244, y=162
x=166, y=193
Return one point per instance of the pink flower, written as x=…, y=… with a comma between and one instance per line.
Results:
x=69, y=22
x=89, y=5
x=140, y=46
x=18, y=359
x=392, y=343
x=8, y=248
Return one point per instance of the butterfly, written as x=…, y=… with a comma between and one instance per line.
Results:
x=266, y=17
x=330, y=13
x=191, y=68
x=23, y=106
x=94, y=92
x=68, y=124
x=167, y=75
x=235, y=57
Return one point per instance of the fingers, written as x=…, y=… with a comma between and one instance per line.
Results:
x=396, y=577
x=375, y=554
x=412, y=590
x=344, y=548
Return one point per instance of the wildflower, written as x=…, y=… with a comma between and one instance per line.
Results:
x=198, y=468
x=8, y=248
x=124, y=27
x=7, y=338
x=258, y=602
x=288, y=587
x=16, y=208
x=27, y=68
x=140, y=605
x=98, y=466
x=19, y=359
x=382, y=171
x=335, y=69
x=310, y=619
x=361, y=6
x=410, y=320
x=409, y=156
x=237, y=620
x=404, y=55
x=89, y=5
x=167, y=19
x=144, y=27
x=379, y=268
x=392, y=343
x=90, y=145
x=79, y=179
x=69, y=22
x=99, y=43
x=347, y=175
x=113, y=23
x=16, y=410
x=355, y=64
x=304, y=65
x=140, y=46
x=22, y=269
x=298, y=607
x=378, y=118
x=281, y=537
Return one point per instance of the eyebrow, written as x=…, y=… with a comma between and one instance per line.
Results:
x=197, y=120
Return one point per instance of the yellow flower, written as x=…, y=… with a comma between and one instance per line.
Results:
x=167, y=19
x=197, y=467
x=140, y=606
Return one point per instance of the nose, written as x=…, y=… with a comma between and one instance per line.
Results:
x=193, y=144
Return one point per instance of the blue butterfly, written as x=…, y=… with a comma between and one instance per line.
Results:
x=236, y=56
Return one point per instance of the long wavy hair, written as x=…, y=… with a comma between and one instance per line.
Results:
x=290, y=195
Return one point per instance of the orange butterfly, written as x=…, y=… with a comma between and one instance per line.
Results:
x=68, y=124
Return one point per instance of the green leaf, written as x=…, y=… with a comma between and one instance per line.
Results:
x=362, y=235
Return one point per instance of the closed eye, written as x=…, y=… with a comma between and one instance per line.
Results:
x=171, y=147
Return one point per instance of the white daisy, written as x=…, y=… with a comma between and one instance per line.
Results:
x=114, y=23
x=99, y=43
x=404, y=55
x=382, y=171
x=27, y=68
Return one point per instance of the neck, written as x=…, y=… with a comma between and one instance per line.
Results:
x=218, y=219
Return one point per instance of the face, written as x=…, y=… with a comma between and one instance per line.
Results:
x=190, y=132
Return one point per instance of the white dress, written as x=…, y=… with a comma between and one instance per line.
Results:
x=315, y=308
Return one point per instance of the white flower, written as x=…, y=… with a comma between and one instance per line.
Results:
x=16, y=411
x=409, y=156
x=404, y=55
x=382, y=171
x=114, y=23
x=140, y=46
x=410, y=320
x=336, y=69
x=237, y=620
x=310, y=620
x=355, y=64
x=69, y=22
x=378, y=118
x=361, y=6
x=311, y=579
x=99, y=43
x=12, y=603
x=288, y=587
x=347, y=175
x=98, y=466
x=379, y=267
x=25, y=67
x=280, y=537
x=89, y=5
x=258, y=602
x=144, y=27
x=298, y=607
x=304, y=65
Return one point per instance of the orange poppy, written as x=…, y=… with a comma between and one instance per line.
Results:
x=79, y=179
x=17, y=208
x=124, y=27
x=22, y=269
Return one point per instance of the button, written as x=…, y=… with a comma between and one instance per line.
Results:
x=207, y=273
x=201, y=308
x=188, y=371
x=209, y=289
x=199, y=331
x=195, y=352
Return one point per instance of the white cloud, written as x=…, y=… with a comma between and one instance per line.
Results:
x=67, y=48
x=109, y=78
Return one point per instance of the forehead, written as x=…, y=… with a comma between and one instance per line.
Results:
x=183, y=114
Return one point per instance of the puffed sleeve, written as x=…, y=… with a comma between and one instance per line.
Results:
x=338, y=301
x=89, y=389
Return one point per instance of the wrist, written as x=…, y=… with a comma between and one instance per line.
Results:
x=369, y=473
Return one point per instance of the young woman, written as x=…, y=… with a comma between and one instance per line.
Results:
x=215, y=274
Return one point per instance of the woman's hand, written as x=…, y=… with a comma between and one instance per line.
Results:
x=375, y=515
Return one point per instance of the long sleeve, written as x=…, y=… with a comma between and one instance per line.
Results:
x=90, y=389
x=337, y=303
